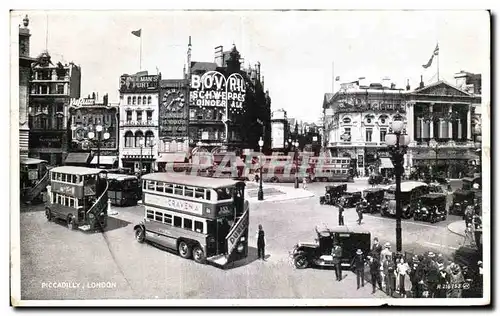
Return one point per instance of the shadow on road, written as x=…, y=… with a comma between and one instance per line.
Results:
x=112, y=224
x=251, y=257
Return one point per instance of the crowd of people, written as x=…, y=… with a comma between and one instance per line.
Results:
x=427, y=275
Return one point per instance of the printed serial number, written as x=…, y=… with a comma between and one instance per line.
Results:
x=454, y=286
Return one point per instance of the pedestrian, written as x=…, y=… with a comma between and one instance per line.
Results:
x=337, y=256
x=358, y=263
x=401, y=271
x=374, y=265
x=469, y=235
x=341, y=214
x=360, y=215
x=456, y=281
x=376, y=249
x=261, y=243
x=443, y=283
x=390, y=276
x=304, y=183
x=408, y=286
x=468, y=214
x=432, y=274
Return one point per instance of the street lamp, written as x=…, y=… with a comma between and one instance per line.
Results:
x=260, y=193
x=478, y=147
x=151, y=145
x=141, y=144
x=99, y=135
x=435, y=147
x=397, y=143
x=296, y=146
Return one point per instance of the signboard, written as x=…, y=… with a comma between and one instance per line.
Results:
x=67, y=189
x=46, y=139
x=278, y=135
x=173, y=113
x=360, y=161
x=360, y=104
x=213, y=89
x=136, y=83
x=237, y=232
x=81, y=102
x=175, y=204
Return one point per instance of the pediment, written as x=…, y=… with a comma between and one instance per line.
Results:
x=442, y=89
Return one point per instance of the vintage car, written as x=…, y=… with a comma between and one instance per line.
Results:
x=431, y=208
x=411, y=191
x=333, y=194
x=319, y=253
x=461, y=199
x=437, y=188
x=378, y=179
x=374, y=198
x=351, y=199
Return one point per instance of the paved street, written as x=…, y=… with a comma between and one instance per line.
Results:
x=124, y=268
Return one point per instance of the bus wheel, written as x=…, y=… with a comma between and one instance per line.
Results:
x=198, y=254
x=140, y=235
x=48, y=214
x=71, y=222
x=184, y=250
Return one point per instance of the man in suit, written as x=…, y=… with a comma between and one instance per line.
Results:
x=341, y=214
x=337, y=256
x=376, y=249
x=358, y=263
x=374, y=272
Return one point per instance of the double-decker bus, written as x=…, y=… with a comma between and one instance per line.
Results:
x=281, y=169
x=124, y=190
x=200, y=217
x=330, y=169
x=78, y=196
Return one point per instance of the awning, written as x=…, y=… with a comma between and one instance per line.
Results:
x=80, y=158
x=386, y=163
x=32, y=161
x=104, y=160
x=172, y=157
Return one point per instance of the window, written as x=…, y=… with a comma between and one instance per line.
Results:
x=192, y=114
x=198, y=226
x=139, y=100
x=169, y=188
x=167, y=219
x=369, y=133
x=129, y=116
x=134, y=100
x=139, y=139
x=60, y=89
x=72, y=202
x=129, y=99
x=149, y=100
x=227, y=193
x=369, y=120
x=159, y=216
x=346, y=120
x=129, y=139
x=139, y=116
x=188, y=224
x=144, y=100
x=178, y=189
x=189, y=191
x=159, y=186
x=150, y=214
x=177, y=221
x=149, y=116
x=208, y=193
x=150, y=185
x=199, y=193
x=383, y=132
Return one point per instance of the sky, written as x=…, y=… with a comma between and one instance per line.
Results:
x=300, y=51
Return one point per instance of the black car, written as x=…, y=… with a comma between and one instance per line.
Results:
x=318, y=253
x=432, y=208
x=378, y=179
x=332, y=194
x=351, y=199
x=374, y=198
x=461, y=199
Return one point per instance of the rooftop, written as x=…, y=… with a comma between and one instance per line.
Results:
x=184, y=179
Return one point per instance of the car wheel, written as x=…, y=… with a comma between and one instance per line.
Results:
x=321, y=202
x=140, y=234
x=198, y=254
x=184, y=250
x=48, y=214
x=274, y=180
x=300, y=262
x=70, y=222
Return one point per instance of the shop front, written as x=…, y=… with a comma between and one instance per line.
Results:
x=452, y=163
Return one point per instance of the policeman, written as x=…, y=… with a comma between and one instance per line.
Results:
x=337, y=256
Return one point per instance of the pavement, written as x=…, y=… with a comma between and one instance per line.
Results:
x=275, y=193
x=457, y=227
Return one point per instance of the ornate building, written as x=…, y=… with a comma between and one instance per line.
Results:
x=51, y=89
x=139, y=126
x=25, y=62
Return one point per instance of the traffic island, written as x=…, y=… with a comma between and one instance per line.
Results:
x=457, y=227
x=276, y=193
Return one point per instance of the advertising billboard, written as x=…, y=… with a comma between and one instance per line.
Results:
x=137, y=83
x=214, y=89
x=278, y=135
x=173, y=112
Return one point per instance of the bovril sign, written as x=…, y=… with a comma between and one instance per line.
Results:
x=81, y=102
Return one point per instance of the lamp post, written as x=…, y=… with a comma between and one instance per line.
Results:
x=99, y=135
x=477, y=145
x=151, y=145
x=295, y=160
x=434, y=145
x=398, y=142
x=141, y=144
x=260, y=193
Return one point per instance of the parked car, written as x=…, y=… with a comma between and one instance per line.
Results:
x=318, y=253
x=378, y=179
x=333, y=194
x=432, y=208
x=461, y=198
x=351, y=199
x=374, y=198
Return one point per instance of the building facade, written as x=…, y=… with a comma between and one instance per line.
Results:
x=228, y=106
x=438, y=120
x=279, y=130
x=86, y=114
x=139, y=126
x=51, y=89
x=25, y=62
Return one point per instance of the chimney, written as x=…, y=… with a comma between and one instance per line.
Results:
x=262, y=81
x=258, y=70
x=393, y=86
x=421, y=82
x=219, y=56
x=407, y=84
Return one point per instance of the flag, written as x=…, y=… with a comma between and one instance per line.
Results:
x=137, y=33
x=435, y=53
x=337, y=78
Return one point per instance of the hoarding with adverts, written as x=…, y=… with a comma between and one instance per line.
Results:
x=136, y=83
x=278, y=135
x=173, y=113
x=213, y=89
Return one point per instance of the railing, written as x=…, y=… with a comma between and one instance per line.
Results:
x=37, y=189
x=101, y=203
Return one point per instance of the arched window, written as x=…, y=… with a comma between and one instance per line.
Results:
x=149, y=138
x=134, y=100
x=346, y=120
x=383, y=119
x=149, y=100
x=144, y=100
x=129, y=139
x=129, y=100
x=139, y=137
x=369, y=119
x=139, y=100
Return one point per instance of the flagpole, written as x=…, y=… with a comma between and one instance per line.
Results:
x=333, y=77
x=140, y=53
x=438, y=66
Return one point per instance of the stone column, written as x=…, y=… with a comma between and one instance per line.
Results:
x=431, y=124
x=469, y=123
x=411, y=121
x=450, y=123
